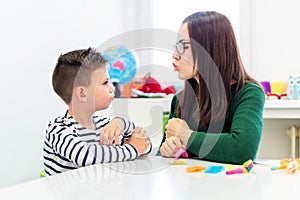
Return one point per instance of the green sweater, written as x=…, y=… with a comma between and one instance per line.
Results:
x=241, y=132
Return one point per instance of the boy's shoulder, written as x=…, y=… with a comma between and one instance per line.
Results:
x=64, y=120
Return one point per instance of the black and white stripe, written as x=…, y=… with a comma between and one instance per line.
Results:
x=68, y=145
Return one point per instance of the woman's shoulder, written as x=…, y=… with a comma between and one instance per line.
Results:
x=251, y=89
x=252, y=86
x=177, y=96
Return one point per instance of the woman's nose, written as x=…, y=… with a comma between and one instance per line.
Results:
x=175, y=56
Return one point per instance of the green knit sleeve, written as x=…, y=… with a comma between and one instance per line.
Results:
x=242, y=141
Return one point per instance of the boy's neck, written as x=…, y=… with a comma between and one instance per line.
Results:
x=84, y=118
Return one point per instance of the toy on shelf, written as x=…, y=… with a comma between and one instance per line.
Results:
x=293, y=90
x=152, y=88
x=152, y=85
x=275, y=90
x=123, y=64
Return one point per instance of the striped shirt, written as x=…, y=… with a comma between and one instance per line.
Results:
x=68, y=145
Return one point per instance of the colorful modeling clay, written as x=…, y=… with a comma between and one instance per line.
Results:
x=274, y=168
x=230, y=167
x=245, y=168
x=195, y=169
x=239, y=170
x=248, y=165
x=214, y=169
x=181, y=152
x=179, y=162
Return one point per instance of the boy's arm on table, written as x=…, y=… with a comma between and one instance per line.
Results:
x=128, y=127
x=69, y=145
x=140, y=139
x=118, y=127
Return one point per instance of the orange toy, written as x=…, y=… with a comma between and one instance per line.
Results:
x=195, y=169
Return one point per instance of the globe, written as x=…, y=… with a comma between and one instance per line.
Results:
x=122, y=64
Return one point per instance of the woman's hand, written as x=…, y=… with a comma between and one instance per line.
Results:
x=111, y=132
x=178, y=128
x=170, y=146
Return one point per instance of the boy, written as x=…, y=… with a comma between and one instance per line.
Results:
x=79, y=138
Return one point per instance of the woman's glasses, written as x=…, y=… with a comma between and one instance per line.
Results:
x=181, y=46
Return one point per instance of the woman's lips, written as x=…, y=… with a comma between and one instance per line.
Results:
x=175, y=67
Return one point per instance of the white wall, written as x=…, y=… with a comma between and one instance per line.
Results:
x=267, y=32
x=270, y=38
x=270, y=45
x=33, y=34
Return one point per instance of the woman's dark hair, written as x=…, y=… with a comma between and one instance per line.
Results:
x=213, y=45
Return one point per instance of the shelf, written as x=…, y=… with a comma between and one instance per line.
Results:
x=277, y=104
x=282, y=109
x=273, y=109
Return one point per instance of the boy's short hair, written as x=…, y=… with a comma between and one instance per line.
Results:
x=74, y=69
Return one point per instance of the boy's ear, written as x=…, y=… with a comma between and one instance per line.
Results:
x=80, y=93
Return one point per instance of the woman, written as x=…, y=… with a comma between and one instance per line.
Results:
x=218, y=114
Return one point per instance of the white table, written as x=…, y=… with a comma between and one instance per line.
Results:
x=153, y=178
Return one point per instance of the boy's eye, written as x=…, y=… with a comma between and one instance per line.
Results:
x=105, y=83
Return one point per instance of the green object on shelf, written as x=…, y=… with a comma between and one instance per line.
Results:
x=165, y=120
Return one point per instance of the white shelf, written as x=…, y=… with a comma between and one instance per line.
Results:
x=273, y=109
x=282, y=104
x=282, y=109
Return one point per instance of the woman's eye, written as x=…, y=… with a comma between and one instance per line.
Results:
x=105, y=83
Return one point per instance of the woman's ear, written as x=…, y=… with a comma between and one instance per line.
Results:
x=80, y=93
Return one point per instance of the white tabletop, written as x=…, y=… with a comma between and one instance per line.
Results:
x=153, y=178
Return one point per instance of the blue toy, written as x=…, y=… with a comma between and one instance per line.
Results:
x=293, y=90
x=122, y=64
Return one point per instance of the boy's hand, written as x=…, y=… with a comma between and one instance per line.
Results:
x=111, y=131
x=140, y=140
